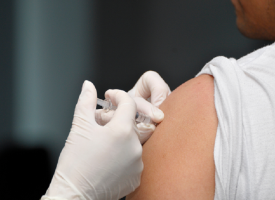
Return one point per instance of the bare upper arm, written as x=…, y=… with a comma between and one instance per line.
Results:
x=178, y=158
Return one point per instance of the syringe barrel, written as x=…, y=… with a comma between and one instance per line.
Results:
x=107, y=105
x=140, y=117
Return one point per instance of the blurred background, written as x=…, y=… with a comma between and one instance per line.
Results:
x=49, y=47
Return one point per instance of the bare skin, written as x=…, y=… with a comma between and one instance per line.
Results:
x=178, y=158
x=256, y=18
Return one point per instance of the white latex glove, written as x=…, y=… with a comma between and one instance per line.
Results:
x=149, y=92
x=99, y=162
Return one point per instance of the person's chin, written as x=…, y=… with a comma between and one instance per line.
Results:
x=243, y=31
x=250, y=31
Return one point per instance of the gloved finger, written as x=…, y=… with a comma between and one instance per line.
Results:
x=102, y=117
x=147, y=108
x=145, y=131
x=126, y=107
x=151, y=85
x=86, y=105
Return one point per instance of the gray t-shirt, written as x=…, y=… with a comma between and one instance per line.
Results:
x=245, y=142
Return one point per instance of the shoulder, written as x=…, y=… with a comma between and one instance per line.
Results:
x=194, y=98
x=197, y=90
x=178, y=158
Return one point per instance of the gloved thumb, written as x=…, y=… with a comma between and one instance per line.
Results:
x=86, y=105
x=147, y=108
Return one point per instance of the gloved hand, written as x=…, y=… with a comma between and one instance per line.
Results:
x=149, y=92
x=99, y=162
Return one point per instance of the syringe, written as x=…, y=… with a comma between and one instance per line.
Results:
x=140, y=117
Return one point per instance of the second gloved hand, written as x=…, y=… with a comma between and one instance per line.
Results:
x=99, y=162
x=149, y=92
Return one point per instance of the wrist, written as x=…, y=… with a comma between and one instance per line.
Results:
x=62, y=189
